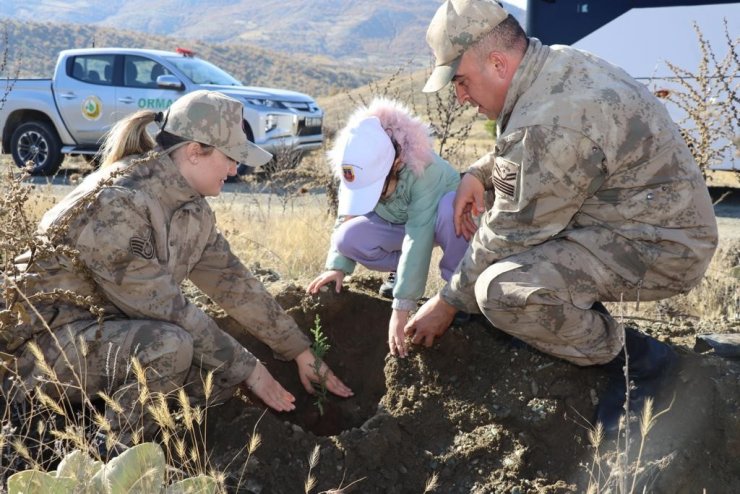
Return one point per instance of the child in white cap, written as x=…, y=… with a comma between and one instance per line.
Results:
x=395, y=204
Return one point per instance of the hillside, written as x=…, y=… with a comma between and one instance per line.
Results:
x=34, y=46
x=361, y=33
x=468, y=137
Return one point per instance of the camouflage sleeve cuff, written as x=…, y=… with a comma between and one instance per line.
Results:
x=459, y=301
x=483, y=171
x=404, y=304
x=296, y=348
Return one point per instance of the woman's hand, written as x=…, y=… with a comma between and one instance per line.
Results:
x=396, y=337
x=266, y=388
x=306, y=361
x=335, y=275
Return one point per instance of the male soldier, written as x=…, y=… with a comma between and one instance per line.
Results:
x=597, y=198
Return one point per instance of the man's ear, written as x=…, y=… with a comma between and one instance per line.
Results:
x=499, y=63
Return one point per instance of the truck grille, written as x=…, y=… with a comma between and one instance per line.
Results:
x=308, y=130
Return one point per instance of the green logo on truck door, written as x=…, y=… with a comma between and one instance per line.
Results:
x=92, y=107
x=154, y=103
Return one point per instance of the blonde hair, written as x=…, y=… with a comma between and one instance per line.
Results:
x=128, y=136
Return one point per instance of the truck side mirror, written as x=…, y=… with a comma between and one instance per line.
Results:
x=168, y=81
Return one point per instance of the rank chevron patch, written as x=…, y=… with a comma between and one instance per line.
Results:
x=505, y=176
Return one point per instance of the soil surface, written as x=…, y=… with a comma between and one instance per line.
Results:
x=485, y=413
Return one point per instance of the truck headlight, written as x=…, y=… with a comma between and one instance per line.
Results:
x=270, y=122
x=267, y=103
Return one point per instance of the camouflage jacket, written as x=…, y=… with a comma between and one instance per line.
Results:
x=587, y=153
x=139, y=236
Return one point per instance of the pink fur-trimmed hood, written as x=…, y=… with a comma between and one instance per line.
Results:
x=409, y=131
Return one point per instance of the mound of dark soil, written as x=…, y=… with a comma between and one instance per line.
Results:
x=483, y=412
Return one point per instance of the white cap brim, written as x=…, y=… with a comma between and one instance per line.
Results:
x=356, y=202
x=441, y=76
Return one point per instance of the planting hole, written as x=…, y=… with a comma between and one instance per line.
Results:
x=356, y=327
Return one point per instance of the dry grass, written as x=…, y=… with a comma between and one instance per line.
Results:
x=293, y=241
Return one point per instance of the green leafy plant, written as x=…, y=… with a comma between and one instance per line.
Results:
x=139, y=469
x=320, y=348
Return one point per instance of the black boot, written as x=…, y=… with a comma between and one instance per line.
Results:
x=651, y=363
x=386, y=289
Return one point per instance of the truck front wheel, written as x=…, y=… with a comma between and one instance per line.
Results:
x=35, y=145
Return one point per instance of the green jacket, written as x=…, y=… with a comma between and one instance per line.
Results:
x=414, y=203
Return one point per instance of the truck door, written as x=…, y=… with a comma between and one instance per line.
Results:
x=85, y=95
x=138, y=88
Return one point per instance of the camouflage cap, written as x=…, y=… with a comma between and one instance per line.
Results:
x=457, y=25
x=212, y=118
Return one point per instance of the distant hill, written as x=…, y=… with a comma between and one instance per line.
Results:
x=34, y=47
x=370, y=34
x=468, y=138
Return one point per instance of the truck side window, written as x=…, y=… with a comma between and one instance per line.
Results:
x=142, y=72
x=92, y=69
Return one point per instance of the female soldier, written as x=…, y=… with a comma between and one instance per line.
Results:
x=127, y=237
x=395, y=203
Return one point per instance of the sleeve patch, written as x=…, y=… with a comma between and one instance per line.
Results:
x=142, y=247
x=505, y=174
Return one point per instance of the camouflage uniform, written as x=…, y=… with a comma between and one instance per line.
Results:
x=139, y=236
x=597, y=198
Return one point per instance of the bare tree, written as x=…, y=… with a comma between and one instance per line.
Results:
x=5, y=76
x=709, y=102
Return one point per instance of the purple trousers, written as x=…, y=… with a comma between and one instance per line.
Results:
x=376, y=243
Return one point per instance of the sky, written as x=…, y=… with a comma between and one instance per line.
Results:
x=522, y=4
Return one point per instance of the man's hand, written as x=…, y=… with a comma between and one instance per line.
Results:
x=396, y=337
x=468, y=204
x=307, y=373
x=431, y=321
x=335, y=275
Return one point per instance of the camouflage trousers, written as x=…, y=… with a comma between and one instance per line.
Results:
x=86, y=357
x=544, y=297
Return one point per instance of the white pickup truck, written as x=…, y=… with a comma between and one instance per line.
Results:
x=44, y=119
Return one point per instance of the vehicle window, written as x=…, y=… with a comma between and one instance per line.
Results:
x=93, y=69
x=202, y=72
x=142, y=72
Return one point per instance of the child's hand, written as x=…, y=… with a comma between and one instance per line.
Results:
x=335, y=275
x=396, y=337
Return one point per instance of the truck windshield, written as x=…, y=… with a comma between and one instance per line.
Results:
x=201, y=72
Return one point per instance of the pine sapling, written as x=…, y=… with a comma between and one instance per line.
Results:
x=320, y=347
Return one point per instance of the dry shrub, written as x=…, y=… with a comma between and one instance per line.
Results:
x=459, y=132
x=708, y=100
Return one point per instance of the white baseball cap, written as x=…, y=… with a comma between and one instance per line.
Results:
x=367, y=159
